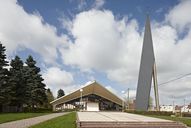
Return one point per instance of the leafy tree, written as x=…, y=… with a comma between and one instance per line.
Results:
x=4, y=95
x=150, y=103
x=50, y=98
x=17, y=83
x=35, y=87
x=60, y=93
x=49, y=94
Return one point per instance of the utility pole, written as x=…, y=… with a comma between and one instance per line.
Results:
x=173, y=104
x=184, y=104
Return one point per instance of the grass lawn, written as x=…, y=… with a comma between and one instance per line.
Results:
x=7, y=117
x=185, y=120
x=65, y=121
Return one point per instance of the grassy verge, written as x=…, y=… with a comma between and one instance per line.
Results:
x=7, y=117
x=65, y=121
x=162, y=115
x=184, y=120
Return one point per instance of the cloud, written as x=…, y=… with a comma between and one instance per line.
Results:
x=179, y=15
x=20, y=30
x=97, y=36
x=111, y=89
x=98, y=4
x=55, y=78
x=82, y=5
x=113, y=46
x=102, y=42
x=132, y=94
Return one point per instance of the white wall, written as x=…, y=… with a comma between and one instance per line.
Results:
x=92, y=106
x=185, y=109
x=167, y=108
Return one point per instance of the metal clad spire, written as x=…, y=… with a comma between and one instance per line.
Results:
x=146, y=70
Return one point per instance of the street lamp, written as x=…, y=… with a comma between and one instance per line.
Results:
x=128, y=99
x=123, y=104
x=81, y=90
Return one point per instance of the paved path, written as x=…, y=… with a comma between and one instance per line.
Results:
x=25, y=123
x=122, y=120
x=116, y=116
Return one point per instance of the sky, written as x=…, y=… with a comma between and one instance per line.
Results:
x=76, y=41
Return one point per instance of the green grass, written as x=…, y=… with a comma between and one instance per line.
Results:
x=65, y=121
x=7, y=117
x=185, y=120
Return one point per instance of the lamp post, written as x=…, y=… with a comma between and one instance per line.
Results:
x=128, y=100
x=81, y=90
x=123, y=104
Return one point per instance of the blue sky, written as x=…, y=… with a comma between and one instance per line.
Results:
x=76, y=41
x=51, y=11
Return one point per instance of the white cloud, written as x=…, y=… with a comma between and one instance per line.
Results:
x=20, y=30
x=179, y=16
x=113, y=46
x=111, y=89
x=98, y=36
x=82, y=5
x=98, y=4
x=124, y=95
x=56, y=78
x=104, y=43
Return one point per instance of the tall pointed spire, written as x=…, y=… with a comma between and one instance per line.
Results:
x=146, y=70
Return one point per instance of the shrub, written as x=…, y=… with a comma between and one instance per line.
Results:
x=185, y=114
x=37, y=110
x=161, y=113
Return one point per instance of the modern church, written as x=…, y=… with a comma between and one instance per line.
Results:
x=91, y=97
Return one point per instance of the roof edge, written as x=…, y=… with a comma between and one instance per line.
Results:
x=85, y=85
x=109, y=91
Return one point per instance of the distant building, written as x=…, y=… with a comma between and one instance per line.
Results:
x=186, y=108
x=132, y=104
x=167, y=108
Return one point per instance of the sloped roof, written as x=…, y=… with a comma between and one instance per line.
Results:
x=92, y=88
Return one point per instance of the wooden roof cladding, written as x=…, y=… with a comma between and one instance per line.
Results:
x=93, y=88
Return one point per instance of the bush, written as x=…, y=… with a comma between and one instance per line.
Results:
x=161, y=113
x=37, y=110
x=185, y=114
x=178, y=114
x=66, y=110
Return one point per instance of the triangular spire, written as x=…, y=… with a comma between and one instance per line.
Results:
x=146, y=69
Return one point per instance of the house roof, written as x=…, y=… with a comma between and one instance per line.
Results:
x=91, y=88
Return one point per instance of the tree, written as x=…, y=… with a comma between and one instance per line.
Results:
x=49, y=94
x=3, y=77
x=150, y=103
x=60, y=93
x=35, y=92
x=50, y=98
x=17, y=83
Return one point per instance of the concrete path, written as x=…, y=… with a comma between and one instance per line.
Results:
x=25, y=123
x=122, y=120
x=116, y=116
